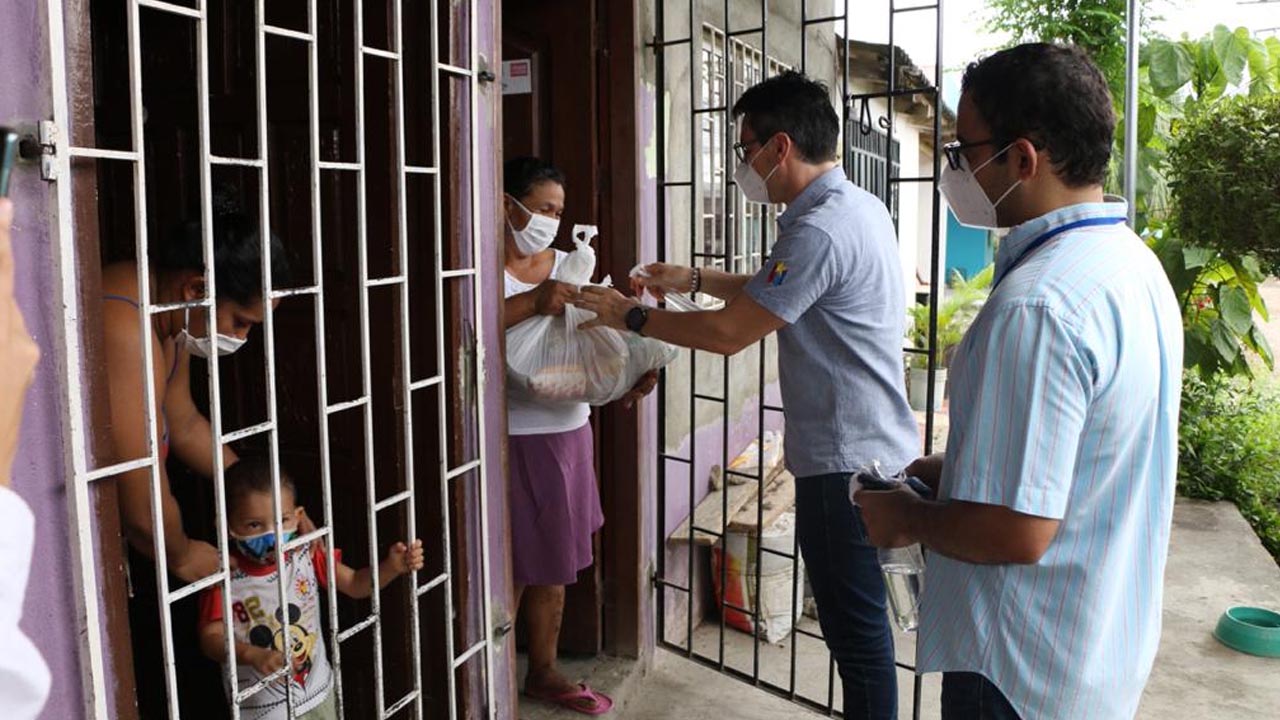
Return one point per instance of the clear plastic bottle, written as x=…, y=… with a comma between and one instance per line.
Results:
x=903, y=570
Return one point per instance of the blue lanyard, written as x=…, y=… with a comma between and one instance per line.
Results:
x=1040, y=241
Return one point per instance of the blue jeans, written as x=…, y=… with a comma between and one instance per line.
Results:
x=844, y=573
x=971, y=696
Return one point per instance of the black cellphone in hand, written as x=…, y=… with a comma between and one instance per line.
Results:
x=8, y=156
x=872, y=479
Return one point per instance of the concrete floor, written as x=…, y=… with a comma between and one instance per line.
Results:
x=1215, y=561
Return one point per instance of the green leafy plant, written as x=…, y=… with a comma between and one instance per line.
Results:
x=1202, y=70
x=1179, y=79
x=1219, y=297
x=1097, y=26
x=963, y=300
x=1228, y=443
x=1224, y=177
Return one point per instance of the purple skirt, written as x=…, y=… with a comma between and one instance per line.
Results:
x=555, y=506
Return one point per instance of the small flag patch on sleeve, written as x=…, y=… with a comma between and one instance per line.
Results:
x=778, y=273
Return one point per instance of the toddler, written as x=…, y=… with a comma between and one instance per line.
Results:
x=261, y=645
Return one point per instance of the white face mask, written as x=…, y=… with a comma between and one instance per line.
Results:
x=200, y=348
x=537, y=235
x=754, y=188
x=966, y=197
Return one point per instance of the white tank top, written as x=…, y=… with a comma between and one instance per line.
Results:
x=530, y=417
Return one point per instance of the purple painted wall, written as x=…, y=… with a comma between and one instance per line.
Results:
x=38, y=473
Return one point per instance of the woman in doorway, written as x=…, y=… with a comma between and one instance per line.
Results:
x=555, y=503
x=177, y=275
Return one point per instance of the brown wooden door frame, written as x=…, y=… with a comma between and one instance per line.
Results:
x=111, y=556
x=622, y=542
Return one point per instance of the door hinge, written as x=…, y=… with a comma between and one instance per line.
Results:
x=43, y=147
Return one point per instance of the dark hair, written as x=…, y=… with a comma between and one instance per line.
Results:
x=252, y=474
x=520, y=174
x=237, y=252
x=793, y=104
x=1052, y=95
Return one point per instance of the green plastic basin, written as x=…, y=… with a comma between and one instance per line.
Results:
x=1250, y=630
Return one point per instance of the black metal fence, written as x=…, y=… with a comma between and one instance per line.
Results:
x=705, y=54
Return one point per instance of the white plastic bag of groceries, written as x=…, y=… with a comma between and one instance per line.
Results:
x=550, y=358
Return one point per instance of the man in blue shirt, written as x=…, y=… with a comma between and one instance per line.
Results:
x=832, y=290
x=1042, y=593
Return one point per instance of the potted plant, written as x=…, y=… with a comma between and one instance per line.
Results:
x=956, y=311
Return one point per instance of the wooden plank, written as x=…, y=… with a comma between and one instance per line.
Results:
x=710, y=513
x=779, y=497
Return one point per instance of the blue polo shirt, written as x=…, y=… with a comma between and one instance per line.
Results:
x=834, y=276
x=1064, y=405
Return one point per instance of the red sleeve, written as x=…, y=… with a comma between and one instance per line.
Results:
x=319, y=561
x=211, y=605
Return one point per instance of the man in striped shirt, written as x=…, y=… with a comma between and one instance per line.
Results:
x=1049, y=537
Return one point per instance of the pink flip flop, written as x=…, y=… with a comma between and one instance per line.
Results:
x=583, y=700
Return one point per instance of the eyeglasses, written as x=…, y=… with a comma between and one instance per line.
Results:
x=740, y=149
x=952, y=150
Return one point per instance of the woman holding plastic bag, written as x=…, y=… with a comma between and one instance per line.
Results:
x=555, y=504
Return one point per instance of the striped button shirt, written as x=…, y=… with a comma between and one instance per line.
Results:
x=1064, y=404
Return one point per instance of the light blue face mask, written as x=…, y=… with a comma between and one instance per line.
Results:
x=261, y=548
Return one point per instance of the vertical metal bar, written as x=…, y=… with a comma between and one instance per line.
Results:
x=726, y=247
x=212, y=366
x=322, y=364
x=936, y=249
x=1133, y=19
x=134, y=39
x=442, y=406
x=795, y=612
x=935, y=284
x=366, y=372
x=268, y=336
x=76, y=461
x=694, y=227
x=660, y=229
x=893, y=86
x=481, y=473
x=406, y=355
x=831, y=682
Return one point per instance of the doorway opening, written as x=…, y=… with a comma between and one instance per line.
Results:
x=569, y=99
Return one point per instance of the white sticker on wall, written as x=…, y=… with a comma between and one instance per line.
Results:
x=517, y=77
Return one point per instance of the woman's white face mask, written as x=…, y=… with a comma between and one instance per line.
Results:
x=965, y=196
x=537, y=235
x=200, y=346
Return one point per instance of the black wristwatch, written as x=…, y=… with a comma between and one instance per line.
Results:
x=636, y=317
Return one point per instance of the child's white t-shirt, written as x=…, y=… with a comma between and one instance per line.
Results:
x=257, y=620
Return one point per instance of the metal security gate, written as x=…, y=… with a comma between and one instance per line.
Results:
x=423, y=58
x=706, y=53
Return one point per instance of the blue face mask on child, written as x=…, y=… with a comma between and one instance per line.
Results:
x=261, y=548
